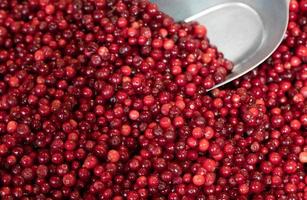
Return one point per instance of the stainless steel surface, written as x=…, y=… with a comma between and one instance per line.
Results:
x=246, y=31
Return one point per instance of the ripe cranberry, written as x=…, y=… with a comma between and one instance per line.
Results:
x=108, y=100
x=290, y=167
x=199, y=180
x=303, y=157
x=69, y=180
x=90, y=162
x=113, y=156
x=203, y=145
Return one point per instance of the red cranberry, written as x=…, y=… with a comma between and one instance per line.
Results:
x=107, y=99
x=113, y=156
x=69, y=180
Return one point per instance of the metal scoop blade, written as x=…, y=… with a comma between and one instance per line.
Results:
x=247, y=32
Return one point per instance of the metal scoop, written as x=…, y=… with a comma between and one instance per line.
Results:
x=246, y=31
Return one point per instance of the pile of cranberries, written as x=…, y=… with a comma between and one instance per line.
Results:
x=106, y=99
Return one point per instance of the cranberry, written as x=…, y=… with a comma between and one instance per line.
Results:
x=303, y=157
x=107, y=100
x=203, y=145
x=199, y=180
x=290, y=167
x=69, y=180
x=90, y=162
x=113, y=155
